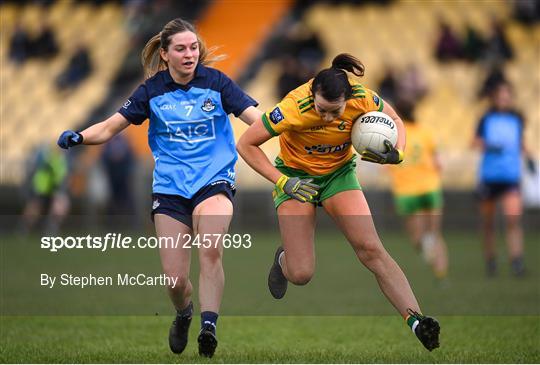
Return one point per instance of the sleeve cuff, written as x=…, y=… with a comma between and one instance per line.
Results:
x=268, y=127
x=244, y=107
x=381, y=107
x=129, y=118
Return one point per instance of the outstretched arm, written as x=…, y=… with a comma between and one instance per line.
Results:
x=96, y=134
x=102, y=132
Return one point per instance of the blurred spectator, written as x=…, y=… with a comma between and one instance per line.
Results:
x=408, y=87
x=412, y=85
x=19, y=45
x=448, y=45
x=44, y=45
x=499, y=136
x=78, y=68
x=292, y=75
x=309, y=49
x=495, y=77
x=497, y=50
x=474, y=45
x=526, y=11
x=301, y=52
x=388, y=86
x=303, y=43
x=118, y=160
x=46, y=189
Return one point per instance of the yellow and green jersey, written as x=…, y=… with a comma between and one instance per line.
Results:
x=306, y=141
x=418, y=173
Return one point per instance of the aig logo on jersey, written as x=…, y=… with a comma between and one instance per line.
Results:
x=208, y=105
x=192, y=131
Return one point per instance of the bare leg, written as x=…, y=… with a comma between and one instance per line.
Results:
x=440, y=251
x=175, y=261
x=487, y=209
x=211, y=219
x=31, y=213
x=59, y=209
x=297, y=227
x=512, y=209
x=415, y=229
x=351, y=212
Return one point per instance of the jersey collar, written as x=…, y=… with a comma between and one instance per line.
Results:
x=200, y=72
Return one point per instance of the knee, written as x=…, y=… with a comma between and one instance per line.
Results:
x=300, y=276
x=210, y=257
x=179, y=284
x=370, y=251
x=513, y=221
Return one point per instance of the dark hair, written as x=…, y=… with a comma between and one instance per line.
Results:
x=333, y=83
x=501, y=84
x=151, y=58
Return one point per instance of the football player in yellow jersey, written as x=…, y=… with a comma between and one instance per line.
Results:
x=416, y=184
x=316, y=166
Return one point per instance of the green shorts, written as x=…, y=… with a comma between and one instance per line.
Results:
x=410, y=204
x=330, y=184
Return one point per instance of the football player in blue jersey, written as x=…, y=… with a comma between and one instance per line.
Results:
x=499, y=135
x=193, y=146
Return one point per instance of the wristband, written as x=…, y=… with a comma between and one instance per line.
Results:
x=401, y=155
x=282, y=181
x=81, y=138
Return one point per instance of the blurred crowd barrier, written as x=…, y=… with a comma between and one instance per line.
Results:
x=442, y=54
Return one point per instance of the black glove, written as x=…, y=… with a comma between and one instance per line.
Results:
x=391, y=156
x=69, y=139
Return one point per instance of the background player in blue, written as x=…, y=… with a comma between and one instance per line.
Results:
x=500, y=136
x=193, y=147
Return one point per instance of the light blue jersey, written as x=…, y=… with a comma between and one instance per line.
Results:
x=190, y=134
x=502, y=134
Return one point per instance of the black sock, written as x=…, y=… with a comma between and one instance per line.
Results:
x=491, y=266
x=209, y=320
x=518, y=267
x=186, y=312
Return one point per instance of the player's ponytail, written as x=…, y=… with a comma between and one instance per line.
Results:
x=347, y=62
x=151, y=57
x=333, y=83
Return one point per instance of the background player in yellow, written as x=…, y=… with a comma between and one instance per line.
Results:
x=416, y=185
x=316, y=166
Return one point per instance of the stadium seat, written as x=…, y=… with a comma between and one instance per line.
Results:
x=31, y=98
x=377, y=35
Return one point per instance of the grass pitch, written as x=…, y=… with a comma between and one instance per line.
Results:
x=340, y=317
x=269, y=340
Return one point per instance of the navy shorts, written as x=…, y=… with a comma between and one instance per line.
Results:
x=181, y=209
x=491, y=191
